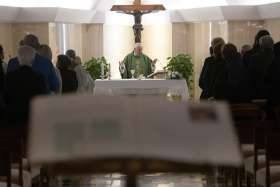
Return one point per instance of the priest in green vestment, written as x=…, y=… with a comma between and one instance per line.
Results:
x=137, y=64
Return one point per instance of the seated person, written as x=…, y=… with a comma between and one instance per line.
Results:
x=136, y=63
x=22, y=85
x=68, y=77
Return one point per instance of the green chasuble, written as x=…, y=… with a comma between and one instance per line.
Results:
x=140, y=64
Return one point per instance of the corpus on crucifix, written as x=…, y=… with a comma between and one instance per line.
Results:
x=136, y=64
x=137, y=10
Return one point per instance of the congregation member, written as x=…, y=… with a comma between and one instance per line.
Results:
x=85, y=81
x=244, y=49
x=68, y=76
x=22, y=85
x=259, y=66
x=137, y=63
x=273, y=78
x=256, y=47
x=45, y=51
x=3, y=69
x=2, y=81
x=210, y=68
x=41, y=64
x=233, y=83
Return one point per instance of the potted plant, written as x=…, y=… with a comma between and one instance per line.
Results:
x=181, y=67
x=95, y=66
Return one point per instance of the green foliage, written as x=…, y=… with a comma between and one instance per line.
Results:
x=182, y=63
x=93, y=66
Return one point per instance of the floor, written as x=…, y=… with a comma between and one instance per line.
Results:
x=118, y=180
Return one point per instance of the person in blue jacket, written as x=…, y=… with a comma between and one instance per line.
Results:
x=40, y=64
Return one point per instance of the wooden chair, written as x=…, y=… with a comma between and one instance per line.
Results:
x=272, y=156
x=277, y=114
x=5, y=165
x=12, y=143
x=246, y=117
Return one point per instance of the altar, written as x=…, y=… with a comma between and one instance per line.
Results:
x=149, y=87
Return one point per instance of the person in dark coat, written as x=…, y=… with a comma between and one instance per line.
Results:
x=273, y=78
x=233, y=83
x=68, y=77
x=2, y=80
x=206, y=76
x=259, y=67
x=22, y=85
x=256, y=47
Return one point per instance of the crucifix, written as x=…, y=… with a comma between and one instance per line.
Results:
x=137, y=10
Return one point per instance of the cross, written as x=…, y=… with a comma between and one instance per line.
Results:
x=137, y=10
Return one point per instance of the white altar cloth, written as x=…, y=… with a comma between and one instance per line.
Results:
x=141, y=87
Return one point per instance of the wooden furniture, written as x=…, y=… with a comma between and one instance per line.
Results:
x=247, y=117
x=272, y=155
x=12, y=151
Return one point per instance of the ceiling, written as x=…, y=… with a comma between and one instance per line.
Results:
x=97, y=11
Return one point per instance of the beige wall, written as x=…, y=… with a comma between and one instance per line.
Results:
x=157, y=43
x=11, y=34
x=41, y=30
x=118, y=42
x=92, y=39
x=6, y=39
x=273, y=25
x=243, y=32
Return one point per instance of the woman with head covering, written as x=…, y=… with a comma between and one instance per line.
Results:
x=68, y=77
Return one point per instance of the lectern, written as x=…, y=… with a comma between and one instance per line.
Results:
x=130, y=135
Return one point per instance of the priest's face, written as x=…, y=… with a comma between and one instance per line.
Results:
x=138, y=50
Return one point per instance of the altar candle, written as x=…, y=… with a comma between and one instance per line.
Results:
x=102, y=70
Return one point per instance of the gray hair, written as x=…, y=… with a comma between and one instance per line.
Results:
x=266, y=42
x=26, y=55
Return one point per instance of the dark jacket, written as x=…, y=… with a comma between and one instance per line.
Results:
x=203, y=83
x=69, y=80
x=273, y=83
x=233, y=83
x=212, y=68
x=248, y=55
x=22, y=85
x=2, y=77
x=258, y=68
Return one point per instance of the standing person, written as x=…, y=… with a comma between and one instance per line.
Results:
x=259, y=66
x=137, y=63
x=85, y=81
x=46, y=52
x=256, y=47
x=232, y=84
x=273, y=78
x=207, y=76
x=22, y=85
x=3, y=68
x=2, y=81
x=41, y=64
x=244, y=49
x=68, y=77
